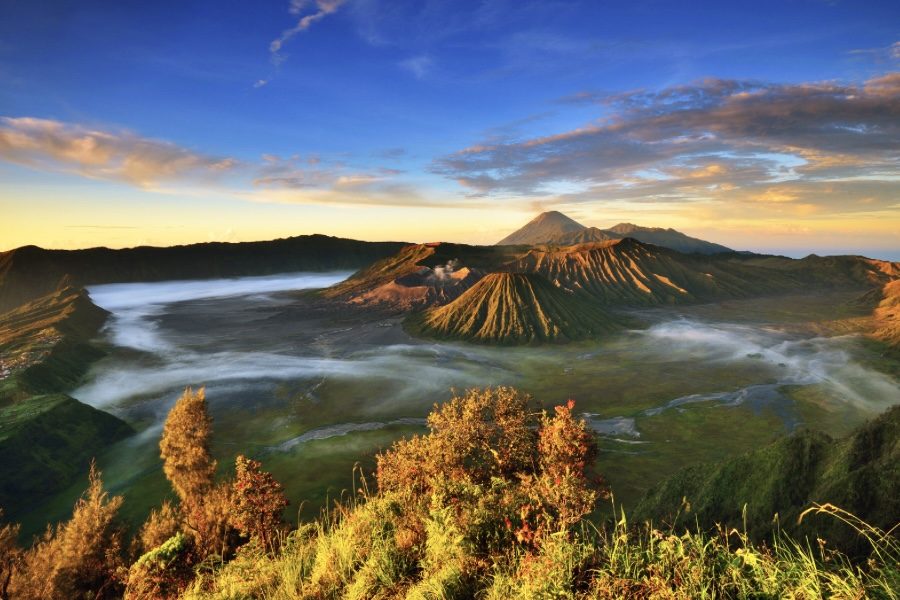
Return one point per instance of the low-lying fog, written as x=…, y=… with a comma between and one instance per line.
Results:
x=281, y=380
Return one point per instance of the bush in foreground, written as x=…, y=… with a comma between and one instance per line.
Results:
x=492, y=503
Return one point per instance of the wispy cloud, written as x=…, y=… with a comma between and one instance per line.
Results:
x=419, y=66
x=712, y=140
x=881, y=54
x=112, y=155
x=319, y=10
x=166, y=168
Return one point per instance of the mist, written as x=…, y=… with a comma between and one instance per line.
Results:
x=804, y=361
x=135, y=305
x=231, y=336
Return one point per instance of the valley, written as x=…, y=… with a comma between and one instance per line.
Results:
x=313, y=387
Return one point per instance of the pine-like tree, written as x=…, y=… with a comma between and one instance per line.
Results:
x=257, y=503
x=184, y=447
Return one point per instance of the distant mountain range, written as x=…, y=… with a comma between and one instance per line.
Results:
x=568, y=291
x=30, y=272
x=553, y=227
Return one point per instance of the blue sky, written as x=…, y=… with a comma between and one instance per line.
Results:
x=135, y=122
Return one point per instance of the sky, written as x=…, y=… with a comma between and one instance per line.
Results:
x=767, y=126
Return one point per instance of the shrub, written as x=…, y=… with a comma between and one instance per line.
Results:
x=257, y=503
x=161, y=524
x=81, y=557
x=10, y=555
x=482, y=434
x=163, y=572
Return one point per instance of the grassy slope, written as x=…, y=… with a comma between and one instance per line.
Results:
x=511, y=308
x=46, y=437
x=860, y=473
x=47, y=441
x=30, y=272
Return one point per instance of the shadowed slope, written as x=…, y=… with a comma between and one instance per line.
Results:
x=859, y=473
x=587, y=235
x=510, y=308
x=668, y=238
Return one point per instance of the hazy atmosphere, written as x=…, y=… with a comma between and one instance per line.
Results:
x=770, y=127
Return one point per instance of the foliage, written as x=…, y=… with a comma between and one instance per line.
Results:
x=184, y=447
x=490, y=504
x=163, y=572
x=474, y=437
x=82, y=557
x=161, y=524
x=257, y=502
x=10, y=555
x=860, y=473
x=208, y=522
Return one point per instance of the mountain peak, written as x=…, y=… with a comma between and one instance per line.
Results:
x=546, y=226
x=553, y=227
x=625, y=228
x=554, y=216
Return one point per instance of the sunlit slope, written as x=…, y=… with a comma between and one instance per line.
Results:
x=515, y=308
x=421, y=275
x=44, y=344
x=860, y=473
x=46, y=437
x=404, y=262
x=543, y=229
x=628, y=272
x=887, y=315
x=29, y=272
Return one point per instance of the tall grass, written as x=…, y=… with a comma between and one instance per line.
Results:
x=364, y=549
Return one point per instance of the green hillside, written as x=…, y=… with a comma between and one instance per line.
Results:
x=509, y=308
x=47, y=438
x=859, y=473
x=47, y=442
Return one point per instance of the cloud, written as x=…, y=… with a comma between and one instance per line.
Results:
x=708, y=141
x=419, y=66
x=312, y=179
x=322, y=8
x=160, y=166
x=880, y=55
x=120, y=156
